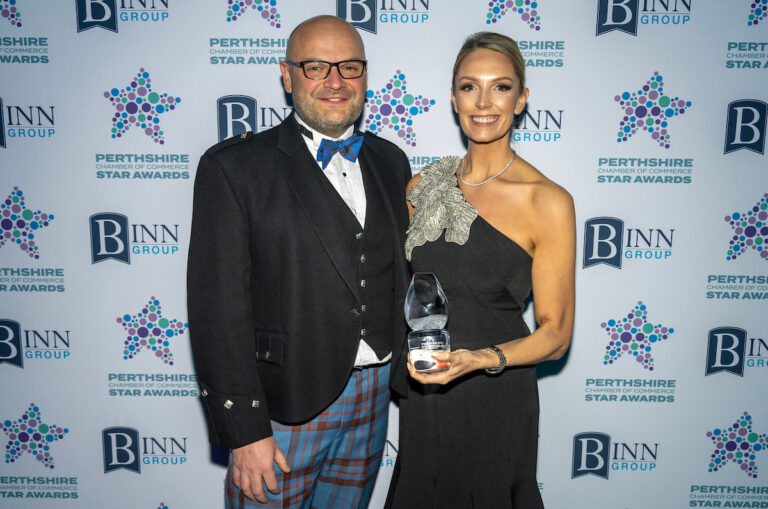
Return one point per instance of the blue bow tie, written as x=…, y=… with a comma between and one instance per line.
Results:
x=348, y=149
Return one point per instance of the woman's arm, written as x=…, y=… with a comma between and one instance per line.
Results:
x=553, y=273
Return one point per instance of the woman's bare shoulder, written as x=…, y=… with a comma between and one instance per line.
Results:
x=547, y=196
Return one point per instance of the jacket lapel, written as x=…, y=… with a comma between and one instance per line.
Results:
x=387, y=188
x=304, y=178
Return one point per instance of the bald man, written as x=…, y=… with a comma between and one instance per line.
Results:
x=296, y=281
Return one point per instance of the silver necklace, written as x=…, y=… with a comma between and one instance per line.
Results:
x=461, y=173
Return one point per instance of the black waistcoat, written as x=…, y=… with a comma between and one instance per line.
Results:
x=371, y=250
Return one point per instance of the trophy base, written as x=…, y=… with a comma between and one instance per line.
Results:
x=421, y=345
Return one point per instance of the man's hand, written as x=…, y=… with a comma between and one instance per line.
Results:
x=252, y=468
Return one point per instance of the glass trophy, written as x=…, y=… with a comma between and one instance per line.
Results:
x=426, y=311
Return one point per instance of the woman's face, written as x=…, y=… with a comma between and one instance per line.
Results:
x=486, y=95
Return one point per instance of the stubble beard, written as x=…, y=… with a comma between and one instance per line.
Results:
x=312, y=117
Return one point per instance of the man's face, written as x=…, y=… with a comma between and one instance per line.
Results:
x=332, y=104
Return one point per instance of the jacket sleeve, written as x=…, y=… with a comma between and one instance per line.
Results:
x=219, y=307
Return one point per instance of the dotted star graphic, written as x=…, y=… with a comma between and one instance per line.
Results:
x=758, y=12
x=649, y=109
x=267, y=8
x=18, y=224
x=30, y=434
x=750, y=229
x=527, y=9
x=738, y=444
x=149, y=330
x=8, y=11
x=633, y=335
x=138, y=105
x=394, y=107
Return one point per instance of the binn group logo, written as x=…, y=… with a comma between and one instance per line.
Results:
x=738, y=444
x=539, y=126
x=9, y=11
x=113, y=237
x=393, y=106
x=649, y=109
x=633, y=336
x=30, y=434
x=607, y=241
x=18, y=344
x=745, y=126
x=106, y=13
x=149, y=330
x=750, y=231
x=730, y=350
x=625, y=15
x=19, y=225
x=125, y=448
x=137, y=105
x=366, y=14
x=238, y=114
x=595, y=453
x=265, y=9
x=526, y=9
x=26, y=122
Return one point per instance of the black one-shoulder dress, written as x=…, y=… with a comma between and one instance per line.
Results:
x=473, y=443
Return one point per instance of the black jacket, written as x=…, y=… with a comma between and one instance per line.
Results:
x=273, y=315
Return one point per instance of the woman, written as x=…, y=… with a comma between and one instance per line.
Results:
x=490, y=226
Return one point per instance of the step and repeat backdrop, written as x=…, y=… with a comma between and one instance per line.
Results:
x=652, y=113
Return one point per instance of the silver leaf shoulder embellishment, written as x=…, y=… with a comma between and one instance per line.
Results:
x=438, y=205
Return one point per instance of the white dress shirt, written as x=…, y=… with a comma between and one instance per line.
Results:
x=346, y=177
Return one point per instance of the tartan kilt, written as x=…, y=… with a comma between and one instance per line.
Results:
x=334, y=458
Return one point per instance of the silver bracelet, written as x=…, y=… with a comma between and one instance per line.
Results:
x=502, y=361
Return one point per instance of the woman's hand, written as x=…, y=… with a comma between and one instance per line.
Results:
x=460, y=363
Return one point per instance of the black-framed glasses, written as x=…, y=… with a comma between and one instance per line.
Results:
x=320, y=69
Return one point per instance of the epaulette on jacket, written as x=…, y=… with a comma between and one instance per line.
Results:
x=234, y=140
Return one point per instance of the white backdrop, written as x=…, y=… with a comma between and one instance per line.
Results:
x=119, y=421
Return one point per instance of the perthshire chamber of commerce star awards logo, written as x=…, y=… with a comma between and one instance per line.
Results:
x=29, y=434
x=9, y=11
x=393, y=106
x=633, y=335
x=266, y=9
x=526, y=9
x=737, y=444
x=758, y=11
x=750, y=230
x=18, y=224
x=649, y=109
x=139, y=106
x=150, y=330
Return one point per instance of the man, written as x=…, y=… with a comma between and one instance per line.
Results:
x=295, y=284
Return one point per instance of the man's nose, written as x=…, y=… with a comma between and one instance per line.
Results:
x=334, y=79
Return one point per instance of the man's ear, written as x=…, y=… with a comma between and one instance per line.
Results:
x=286, y=72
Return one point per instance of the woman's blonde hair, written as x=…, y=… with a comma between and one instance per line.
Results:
x=495, y=42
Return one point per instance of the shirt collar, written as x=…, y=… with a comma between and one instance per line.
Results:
x=318, y=136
